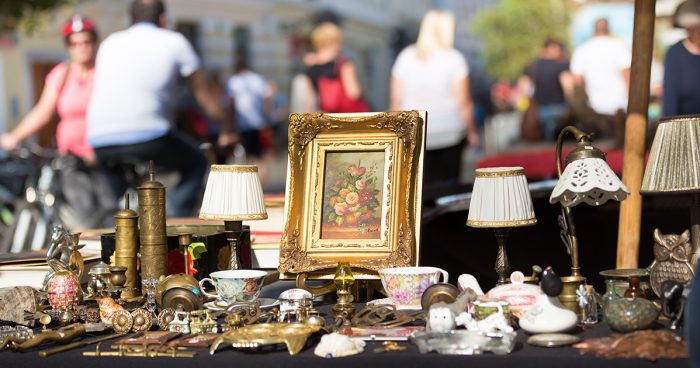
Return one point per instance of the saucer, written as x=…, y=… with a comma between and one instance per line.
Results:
x=389, y=301
x=552, y=340
x=220, y=305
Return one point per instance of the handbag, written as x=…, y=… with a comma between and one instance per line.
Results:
x=332, y=96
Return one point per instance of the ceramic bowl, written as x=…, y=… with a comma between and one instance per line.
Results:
x=235, y=285
x=406, y=285
x=630, y=314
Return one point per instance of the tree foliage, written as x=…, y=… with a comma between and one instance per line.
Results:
x=25, y=12
x=513, y=31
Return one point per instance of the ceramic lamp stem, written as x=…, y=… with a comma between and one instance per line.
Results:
x=233, y=231
x=502, y=266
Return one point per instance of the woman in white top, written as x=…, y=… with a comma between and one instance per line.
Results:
x=431, y=75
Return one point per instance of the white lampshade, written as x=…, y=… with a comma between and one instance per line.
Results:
x=500, y=198
x=233, y=193
x=588, y=180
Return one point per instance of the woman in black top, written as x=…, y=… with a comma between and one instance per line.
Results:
x=681, y=94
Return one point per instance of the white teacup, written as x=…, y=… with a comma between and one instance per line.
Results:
x=405, y=285
x=235, y=285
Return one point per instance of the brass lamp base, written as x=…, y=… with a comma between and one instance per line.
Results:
x=568, y=293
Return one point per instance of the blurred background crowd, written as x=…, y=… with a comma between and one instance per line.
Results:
x=496, y=76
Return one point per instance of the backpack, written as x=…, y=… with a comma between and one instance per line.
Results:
x=331, y=93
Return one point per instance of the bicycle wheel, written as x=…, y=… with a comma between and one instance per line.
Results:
x=29, y=231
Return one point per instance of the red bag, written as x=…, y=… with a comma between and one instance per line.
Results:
x=332, y=97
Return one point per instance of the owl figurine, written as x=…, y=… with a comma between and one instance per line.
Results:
x=672, y=259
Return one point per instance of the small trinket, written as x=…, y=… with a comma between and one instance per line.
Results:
x=180, y=323
x=122, y=321
x=343, y=280
x=389, y=346
x=45, y=319
x=202, y=325
x=143, y=320
x=165, y=317
x=335, y=345
x=108, y=307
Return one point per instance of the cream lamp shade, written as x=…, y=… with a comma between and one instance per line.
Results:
x=233, y=193
x=674, y=158
x=588, y=180
x=674, y=167
x=500, y=198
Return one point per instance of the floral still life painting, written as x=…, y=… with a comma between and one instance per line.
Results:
x=352, y=195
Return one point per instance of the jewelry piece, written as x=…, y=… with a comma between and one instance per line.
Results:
x=143, y=320
x=45, y=319
x=122, y=321
x=390, y=346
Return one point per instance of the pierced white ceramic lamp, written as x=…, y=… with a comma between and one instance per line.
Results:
x=587, y=178
x=233, y=194
x=501, y=200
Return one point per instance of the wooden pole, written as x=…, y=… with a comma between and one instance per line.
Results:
x=635, y=134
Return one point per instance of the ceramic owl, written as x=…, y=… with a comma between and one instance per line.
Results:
x=672, y=259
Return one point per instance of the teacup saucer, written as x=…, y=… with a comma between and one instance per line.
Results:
x=220, y=305
x=398, y=306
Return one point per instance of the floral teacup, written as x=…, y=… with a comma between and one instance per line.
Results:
x=235, y=285
x=405, y=285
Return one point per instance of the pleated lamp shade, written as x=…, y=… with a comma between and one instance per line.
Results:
x=233, y=193
x=588, y=180
x=674, y=159
x=501, y=198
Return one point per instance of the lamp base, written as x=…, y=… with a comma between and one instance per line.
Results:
x=568, y=293
x=233, y=231
x=502, y=265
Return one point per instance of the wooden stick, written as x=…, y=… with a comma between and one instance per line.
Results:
x=635, y=134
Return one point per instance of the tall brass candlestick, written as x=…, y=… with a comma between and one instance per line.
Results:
x=127, y=248
x=154, y=248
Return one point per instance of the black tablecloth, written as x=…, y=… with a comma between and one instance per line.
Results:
x=523, y=356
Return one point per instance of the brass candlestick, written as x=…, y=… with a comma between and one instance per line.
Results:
x=154, y=248
x=127, y=249
x=185, y=239
x=343, y=281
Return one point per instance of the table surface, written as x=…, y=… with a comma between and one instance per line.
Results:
x=523, y=356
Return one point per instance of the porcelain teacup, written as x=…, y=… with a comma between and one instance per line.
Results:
x=235, y=285
x=405, y=285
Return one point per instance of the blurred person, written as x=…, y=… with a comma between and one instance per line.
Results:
x=543, y=77
x=601, y=65
x=67, y=90
x=250, y=93
x=432, y=75
x=681, y=86
x=333, y=75
x=135, y=72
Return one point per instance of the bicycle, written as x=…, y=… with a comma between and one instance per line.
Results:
x=44, y=204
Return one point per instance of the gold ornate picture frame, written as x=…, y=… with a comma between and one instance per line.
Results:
x=353, y=192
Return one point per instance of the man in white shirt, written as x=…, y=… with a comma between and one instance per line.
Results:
x=602, y=65
x=250, y=93
x=135, y=73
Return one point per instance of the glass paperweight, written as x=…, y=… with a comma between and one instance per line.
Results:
x=463, y=342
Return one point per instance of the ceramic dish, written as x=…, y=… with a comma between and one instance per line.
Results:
x=220, y=305
x=552, y=340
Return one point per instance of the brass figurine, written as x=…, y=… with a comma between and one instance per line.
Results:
x=343, y=281
x=673, y=257
x=154, y=248
x=127, y=248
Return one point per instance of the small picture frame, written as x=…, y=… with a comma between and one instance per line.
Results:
x=353, y=193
